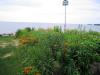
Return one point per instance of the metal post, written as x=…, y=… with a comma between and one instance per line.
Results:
x=65, y=3
x=65, y=20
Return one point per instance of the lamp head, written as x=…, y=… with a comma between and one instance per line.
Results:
x=65, y=2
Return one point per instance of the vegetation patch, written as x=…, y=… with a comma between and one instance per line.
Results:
x=51, y=52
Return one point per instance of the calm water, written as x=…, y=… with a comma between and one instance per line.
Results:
x=11, y=27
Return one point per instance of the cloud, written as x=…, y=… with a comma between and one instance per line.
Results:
x=19, y=3
x=78, y=11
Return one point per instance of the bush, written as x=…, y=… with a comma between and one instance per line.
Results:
x=28, y=41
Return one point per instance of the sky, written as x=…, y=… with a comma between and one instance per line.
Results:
x=50, y=11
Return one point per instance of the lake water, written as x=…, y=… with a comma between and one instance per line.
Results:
x=12, y=27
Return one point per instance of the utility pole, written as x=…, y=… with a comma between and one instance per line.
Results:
x=65, y=3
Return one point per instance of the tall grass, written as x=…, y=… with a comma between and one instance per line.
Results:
x=56, y=53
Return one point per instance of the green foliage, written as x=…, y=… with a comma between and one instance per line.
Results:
x=56, y=53
x=28, y=29
x=57, y=29
x=18, y=33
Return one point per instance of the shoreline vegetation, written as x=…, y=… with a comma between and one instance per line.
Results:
x=50, y=52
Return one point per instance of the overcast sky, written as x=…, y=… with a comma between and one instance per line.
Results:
x=50, y=11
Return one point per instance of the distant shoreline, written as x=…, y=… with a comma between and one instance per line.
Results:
x=12, y=27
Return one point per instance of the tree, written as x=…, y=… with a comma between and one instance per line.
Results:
x=28, y=29
x=18, y=33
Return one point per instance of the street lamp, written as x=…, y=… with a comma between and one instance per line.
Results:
x=65, y=3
